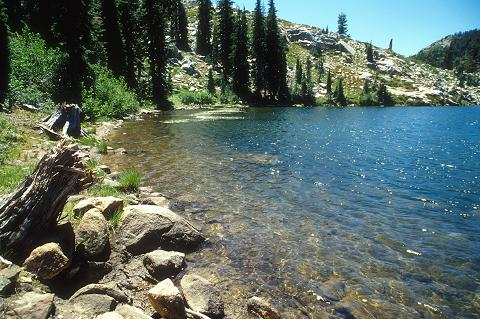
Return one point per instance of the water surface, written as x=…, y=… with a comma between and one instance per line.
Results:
x=382, y=204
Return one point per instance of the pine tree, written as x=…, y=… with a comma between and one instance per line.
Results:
x=390, y=45
x=131, y=39
x=339, y=94
x=204, y=33
x=326, y=30
x=155, y=31
x=329, y=84
x=4, y=56
x=274, y=53
x=258, y=49
x=384, y=97
x=14, y=13
x=180, y=26
x=211, y=82
x=369, y=51
x=225, y=37
x=241, y=66
x=74, y=30
x=366, y=98
x=298, y=75
x=308, y=97
x=447, y=62
x=112, y=38
x=283, y=91
x=342, y=24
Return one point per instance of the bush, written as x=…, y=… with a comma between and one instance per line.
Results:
x=130, y=180
x=36, y=70
x=108, y=97
x=196, y=98
x=229, y=97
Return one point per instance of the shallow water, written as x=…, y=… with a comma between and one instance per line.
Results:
x=295, y=201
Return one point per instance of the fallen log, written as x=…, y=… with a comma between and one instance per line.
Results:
x=34, y=207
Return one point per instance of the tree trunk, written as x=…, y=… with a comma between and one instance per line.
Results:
x=67, y=118
x=34, y=207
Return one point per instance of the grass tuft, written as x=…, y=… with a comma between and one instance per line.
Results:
x=102, y=147
x=130, y=180
x=104, y=191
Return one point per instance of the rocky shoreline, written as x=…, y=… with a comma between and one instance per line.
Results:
x=115, y=258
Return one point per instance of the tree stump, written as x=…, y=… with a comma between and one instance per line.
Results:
x=33, y=209
x=67, y=118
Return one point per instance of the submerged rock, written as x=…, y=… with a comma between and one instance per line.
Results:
x=167, y=300
x=262, y=308
x=47, y=261
x=202, y=296
x=145, y=228
x=162, y=264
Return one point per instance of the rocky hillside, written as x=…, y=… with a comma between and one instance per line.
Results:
x=410, y=81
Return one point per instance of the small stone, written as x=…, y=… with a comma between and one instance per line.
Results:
x=47, y=261
x=110, y=315
x=92, y=237
x=262, y=308
x=107, y=205
x=167, y=300
x=202, y=296
x=162, y=264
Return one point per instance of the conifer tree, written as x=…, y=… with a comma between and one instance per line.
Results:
x=340, y=94
x=211, y=82
x=308, y=97
x=366, y=98
x=155, y=31
x=132, y=38
x=384, y=97
x=224, y=33
x=4, y=56
x=113, y=38
x=390, y=45
x=298, y=77
x=342, y=24
x=326, y=30
x=283, y=91
x=74, y=29
x=369, y=51
x=179, y=24
x=329, y=84
x=14, y=14
x=204, y=33
x=258, y=49
x=274, y=52
x=241, y=66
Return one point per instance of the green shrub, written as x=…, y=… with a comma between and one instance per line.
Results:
x=229, y=97
x=130, y=180
x=36, y=69
x=108, y=97
x=196, y=98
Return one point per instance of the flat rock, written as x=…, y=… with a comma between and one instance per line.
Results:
x=107, y=205
x=262, y=309
x=130, y=312
x=202, y=296
x=144, y=228
x=158, y=201
x=90, y=306
x=31, y=305
x=47, y=261
x=92, y=236
x=167, y=300
x=162, y=264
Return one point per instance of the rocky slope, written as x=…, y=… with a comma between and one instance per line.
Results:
x=410, y=81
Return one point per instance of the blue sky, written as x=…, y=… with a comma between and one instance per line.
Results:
x=413, y=24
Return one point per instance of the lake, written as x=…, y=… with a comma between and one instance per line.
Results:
x=342, y=213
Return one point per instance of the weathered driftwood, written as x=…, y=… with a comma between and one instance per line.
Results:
x=66, y=118
x=27, y=107
x=34, y=207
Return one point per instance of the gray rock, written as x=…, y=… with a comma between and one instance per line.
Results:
x=145, y=228
x=295, y=35
x=107, y=205
x=129, y=312
x=334, y=291
x=345, y=47
x=189, y=68
x=92, y=237
x=158, y=201
x=90, y=306
x=47, y=261
x=162, y=264
x=8, y=279
x=202, y=296
x=105, y=169
x=167, y=300
x=262, y=308
x=110, y=315
x=31, y=305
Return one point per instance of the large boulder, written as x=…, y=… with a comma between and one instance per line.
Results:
x=162, y=264
x=31, y=305
x=107, y=205
x=262, y=308
x=47, y=261
x=167, y=300
x=8, y=279
x=90, y=306
x=144, y=228
x=92, y=236
x=345, y=47
x=202, y=296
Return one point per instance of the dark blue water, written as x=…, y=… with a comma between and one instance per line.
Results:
x=383, y=202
